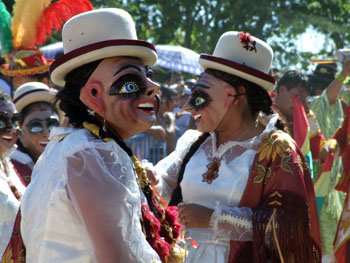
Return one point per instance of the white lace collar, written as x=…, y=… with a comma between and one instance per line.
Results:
x=248, y=144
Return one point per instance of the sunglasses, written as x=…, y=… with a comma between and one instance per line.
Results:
x=37, y=126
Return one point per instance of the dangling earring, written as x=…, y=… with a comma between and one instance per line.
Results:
x=104, y=123
x=256, y=123
x=91, y=112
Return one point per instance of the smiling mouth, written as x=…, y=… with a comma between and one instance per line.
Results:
x=196, y=117
x=147, y=107
x=7, y=138
x=43, y=143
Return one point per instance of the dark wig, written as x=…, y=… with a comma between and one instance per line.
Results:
x=258, y=99
x=69, y=97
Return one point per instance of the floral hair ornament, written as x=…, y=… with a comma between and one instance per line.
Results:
x=247, y=41
x=32, y=21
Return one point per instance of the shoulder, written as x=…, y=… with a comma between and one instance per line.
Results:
x=275, y=144
x=188, y=138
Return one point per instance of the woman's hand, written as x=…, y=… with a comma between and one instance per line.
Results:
x=194, y=216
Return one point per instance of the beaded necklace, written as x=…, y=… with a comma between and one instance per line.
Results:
x=161, y=227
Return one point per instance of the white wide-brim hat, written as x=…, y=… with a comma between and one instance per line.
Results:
x=99, y=34
x=242, y=55
x=32, y=92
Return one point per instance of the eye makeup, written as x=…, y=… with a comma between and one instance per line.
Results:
x=199, y=99
x=129, y=84
x=37, y=126
x=7, y=123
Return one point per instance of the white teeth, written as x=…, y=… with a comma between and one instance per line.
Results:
x=7, y=137
x=146, y=105
x=44, y=143
x=196, y=117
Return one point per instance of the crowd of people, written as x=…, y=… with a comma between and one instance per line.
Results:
x=255, y=169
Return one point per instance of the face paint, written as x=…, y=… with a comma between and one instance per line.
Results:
x=128, y=86
x=37, y=126
x=133, y=109
x=7, y=123
x=199, y=100
x=8, y=126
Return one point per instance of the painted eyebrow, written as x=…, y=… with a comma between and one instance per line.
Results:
x=200, y=85
x=34, y=121
x=128, y=66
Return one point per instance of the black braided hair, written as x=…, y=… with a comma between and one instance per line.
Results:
x=146, y=190
x=258, y=99
x=176, y=196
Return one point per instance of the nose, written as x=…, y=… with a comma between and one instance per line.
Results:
x=46, y=131
x=152, y=88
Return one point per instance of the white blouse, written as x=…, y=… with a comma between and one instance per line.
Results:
x=9, y=204
x=83, y=204
x=228, y=222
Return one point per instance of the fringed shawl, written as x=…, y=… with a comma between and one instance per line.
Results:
x=280, y=191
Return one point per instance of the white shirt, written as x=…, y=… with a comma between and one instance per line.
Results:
x=9, y=204
x=83, y=204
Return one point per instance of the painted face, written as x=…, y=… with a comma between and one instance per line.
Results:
x=36, y=128
x=8, y=126
x=285, y=102
x=130, y=96
x=207, y=103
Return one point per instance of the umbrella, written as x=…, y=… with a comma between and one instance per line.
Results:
x=178, y=58
x=170, y=57
x=51, y=50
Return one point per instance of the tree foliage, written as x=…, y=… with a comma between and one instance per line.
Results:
x=198, y=24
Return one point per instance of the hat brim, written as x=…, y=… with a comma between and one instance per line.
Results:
x=5, y=69
x=266, y=81
x=105, y=49
x=39, y=95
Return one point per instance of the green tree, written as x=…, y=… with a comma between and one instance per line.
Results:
x=197, y=24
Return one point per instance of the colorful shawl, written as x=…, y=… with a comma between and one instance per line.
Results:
x=280, y=191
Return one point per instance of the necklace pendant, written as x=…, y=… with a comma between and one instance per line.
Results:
x=213, y=171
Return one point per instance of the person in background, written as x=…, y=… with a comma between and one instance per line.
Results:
x=243, y=188
x=174, y=77
x=183, y=118
x=4, y=85
x=166, y=117
x=291, y=102
x=325, y=83
x=11, y=186
x=341, y=147
x=37, y=117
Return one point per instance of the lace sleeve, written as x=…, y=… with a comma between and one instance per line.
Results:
x=234, y=223
x=106, y=198
x=166, y=171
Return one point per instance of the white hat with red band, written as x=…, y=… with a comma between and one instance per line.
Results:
x=99, y=34
x=242, y=55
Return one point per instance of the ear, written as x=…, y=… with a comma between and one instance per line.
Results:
x=92, y=96
x=229, y=92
